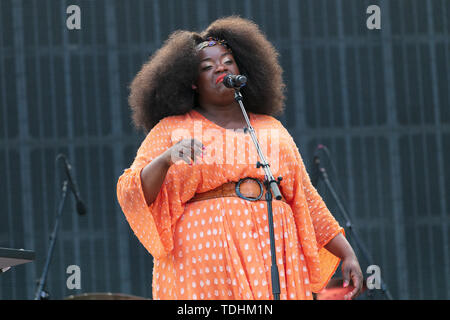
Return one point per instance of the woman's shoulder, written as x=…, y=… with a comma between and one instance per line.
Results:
x=267, y=120
x=173, y=121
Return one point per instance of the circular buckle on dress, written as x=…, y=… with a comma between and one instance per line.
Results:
x=240, y=195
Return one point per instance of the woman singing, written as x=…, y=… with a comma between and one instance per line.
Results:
x=179, y=195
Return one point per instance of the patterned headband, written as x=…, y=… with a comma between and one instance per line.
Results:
x=211, y=42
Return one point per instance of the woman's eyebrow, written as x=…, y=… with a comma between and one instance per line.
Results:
x=222, y=55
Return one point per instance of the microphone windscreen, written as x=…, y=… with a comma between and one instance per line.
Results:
x=81, y=208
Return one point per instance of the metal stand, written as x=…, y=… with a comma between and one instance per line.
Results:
x=351, y=231
x=81, y=209
x=40, y=293
x=270, y=183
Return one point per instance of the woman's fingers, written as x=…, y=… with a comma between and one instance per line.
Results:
x=191, y=154
x=188, y=150
x=346, y=276
x=351, y=271
x=357, y=281
x=352, y=294
x=198, y=148
x=186, y=158
x=196, y=143
x=197, y=152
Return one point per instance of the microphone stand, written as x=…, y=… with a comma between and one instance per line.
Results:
x=321, y=172
x=270, y=183
x=40, y=293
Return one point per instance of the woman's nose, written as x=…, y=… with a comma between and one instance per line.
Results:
x=221, y=68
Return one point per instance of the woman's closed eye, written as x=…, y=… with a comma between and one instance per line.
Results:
x=208, y=67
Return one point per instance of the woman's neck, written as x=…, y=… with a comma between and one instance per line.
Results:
x=222, y=114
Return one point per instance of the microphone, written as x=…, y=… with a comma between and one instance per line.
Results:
x=234, y=81
x=81, y=208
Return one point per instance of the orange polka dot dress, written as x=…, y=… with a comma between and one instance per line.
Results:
x=219, y=248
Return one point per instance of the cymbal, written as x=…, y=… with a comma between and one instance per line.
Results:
x=104, y=296
x=335, y=290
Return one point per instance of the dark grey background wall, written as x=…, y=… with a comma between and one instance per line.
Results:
x=378, y=99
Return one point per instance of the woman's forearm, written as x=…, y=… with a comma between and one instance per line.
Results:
x=351, y=271
x=152, y=177
x=340, y=247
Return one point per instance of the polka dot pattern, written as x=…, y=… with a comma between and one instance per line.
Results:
x=220, y=248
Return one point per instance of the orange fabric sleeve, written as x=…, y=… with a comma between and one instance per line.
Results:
x=151, y=224
x=325, y=225
x=323, y=263
x=325, y=228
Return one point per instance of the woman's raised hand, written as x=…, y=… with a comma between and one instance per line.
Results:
x=187, y=150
